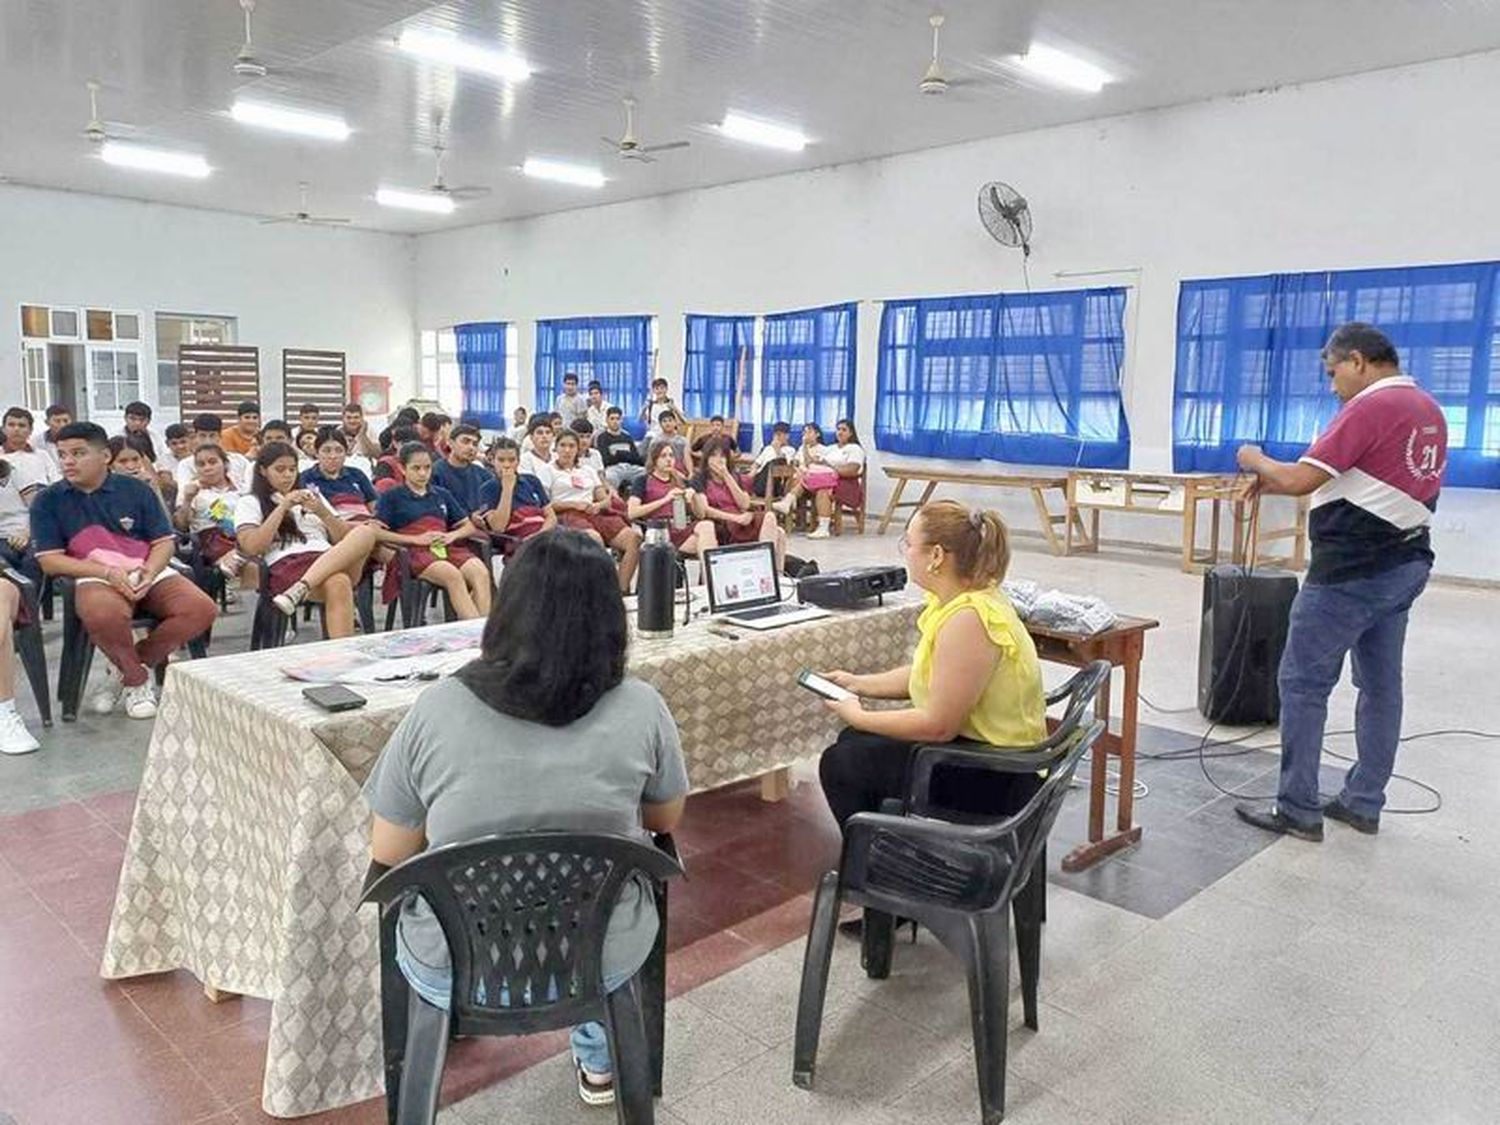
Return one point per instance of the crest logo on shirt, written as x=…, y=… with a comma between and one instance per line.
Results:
x=1423, y=459
x=127, y=522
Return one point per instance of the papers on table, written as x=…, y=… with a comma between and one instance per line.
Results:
x=411, y=656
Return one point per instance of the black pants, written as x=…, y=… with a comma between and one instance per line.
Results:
x=861, y=770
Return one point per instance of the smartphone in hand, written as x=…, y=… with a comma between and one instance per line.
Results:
x=816, y=684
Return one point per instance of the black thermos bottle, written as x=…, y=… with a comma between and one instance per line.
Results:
x=656, y=582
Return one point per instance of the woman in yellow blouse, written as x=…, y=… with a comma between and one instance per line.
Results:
x=974, y=674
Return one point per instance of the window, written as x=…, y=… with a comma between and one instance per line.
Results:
x=716, y=376
x=114, y=379
x=615, y=350
x=1249, y=365
x=808, y=367
x=442, y=369
x=1030, y=378
x=174, y=330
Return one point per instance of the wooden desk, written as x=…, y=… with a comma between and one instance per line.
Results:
x=1039, y=487
x=1180, y=495
x=1123, y=646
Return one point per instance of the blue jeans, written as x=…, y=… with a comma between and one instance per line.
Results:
x=589, y=1041
x=1365, y=617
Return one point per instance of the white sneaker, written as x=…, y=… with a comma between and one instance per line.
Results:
x=14, y=737
x=819, y=532
x=140, y=701
x=231, y=564
x=106, y=696
x=782, y=506
x=293, y=596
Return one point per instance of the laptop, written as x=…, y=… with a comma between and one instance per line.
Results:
x=744, y=588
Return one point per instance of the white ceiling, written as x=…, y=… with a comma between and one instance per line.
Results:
x=844, y=71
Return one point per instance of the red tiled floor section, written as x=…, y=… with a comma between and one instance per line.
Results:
x=153, y=1050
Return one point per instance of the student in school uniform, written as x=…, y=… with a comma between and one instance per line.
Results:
x=721, y=498
x=831, y=473
x=658, y=401
x=57, y=416
x=206, y=507
x=18, y=488
x=207, y=430
x=582, y=501
x=178, y=448
x=432, y=525
x=461, y=472
x=513, y=503
x=587, y=454
x=536, y=453
x=357, y=435
x=517, y=431
x=348, y=491
x=388, y=471
x=313, y=554
x=307, y=418
x=667, y=424
x=778, y=450
x=109, y=531
x=717, y=433
x=138, y=422
x=661, y=494
x=18, y=450
x=130, y=454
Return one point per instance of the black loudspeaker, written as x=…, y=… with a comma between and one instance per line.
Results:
x=1245, y=619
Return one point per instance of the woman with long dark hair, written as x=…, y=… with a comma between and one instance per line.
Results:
x=542, y=731
x=313, y=554
x=720, y=497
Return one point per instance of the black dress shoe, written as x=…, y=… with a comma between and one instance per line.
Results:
x=1334, y=810
x=1272, y=819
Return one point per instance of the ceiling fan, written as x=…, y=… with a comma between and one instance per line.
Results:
x=440, y=187
x=246, y=63
x=1011, y=37
x=302, y=216
x=628, y=147
x=98, y=130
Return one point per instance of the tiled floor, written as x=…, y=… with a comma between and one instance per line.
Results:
x=1208, y=974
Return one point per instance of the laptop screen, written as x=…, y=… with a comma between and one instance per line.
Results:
x=741, y=577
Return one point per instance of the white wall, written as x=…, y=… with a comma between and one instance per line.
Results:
x=1394, y=167
x=309, y=287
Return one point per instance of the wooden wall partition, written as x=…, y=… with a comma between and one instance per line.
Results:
x=215, y=378
x=313, y=376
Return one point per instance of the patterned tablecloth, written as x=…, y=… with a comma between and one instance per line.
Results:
x=251, y=838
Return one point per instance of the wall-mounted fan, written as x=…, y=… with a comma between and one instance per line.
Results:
x=1006, y=215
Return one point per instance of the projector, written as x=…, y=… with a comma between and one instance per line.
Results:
x=845, y=589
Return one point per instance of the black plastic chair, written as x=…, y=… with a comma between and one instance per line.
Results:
x=524, y=916
x=415, y=595
x=78, y=648
x=206, y=575
x=28, y=644
x=269, y=626
x=1079, y=695
x=961, y=882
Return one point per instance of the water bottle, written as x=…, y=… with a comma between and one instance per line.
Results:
x=656, y=583
x=679, y=513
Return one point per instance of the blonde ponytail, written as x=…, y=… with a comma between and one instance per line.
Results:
x=977, y=540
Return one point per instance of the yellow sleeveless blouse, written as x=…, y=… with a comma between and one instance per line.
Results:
x=1011, y=711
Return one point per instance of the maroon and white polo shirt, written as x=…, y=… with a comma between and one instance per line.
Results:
x=1386, y=450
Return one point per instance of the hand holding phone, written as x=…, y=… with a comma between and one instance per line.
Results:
x=818, y=685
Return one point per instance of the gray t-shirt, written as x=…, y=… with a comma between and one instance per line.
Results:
x=459, y=769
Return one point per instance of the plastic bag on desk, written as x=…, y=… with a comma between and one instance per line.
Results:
x=1071, y=613
x=1023, y=594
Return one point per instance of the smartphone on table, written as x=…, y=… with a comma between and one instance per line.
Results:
x=333, y=697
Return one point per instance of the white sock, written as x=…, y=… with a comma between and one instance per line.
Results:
x=7, y=706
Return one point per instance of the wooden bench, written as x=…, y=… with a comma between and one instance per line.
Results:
x=1039, y=487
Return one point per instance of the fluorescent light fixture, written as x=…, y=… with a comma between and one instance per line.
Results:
x=1062, y=68
x=756, y=132
x=445, y=47
x=295, y=121
x=562, y=173
x=154, y=160
x=430, y=201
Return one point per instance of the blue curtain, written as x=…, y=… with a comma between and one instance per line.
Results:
x=615, y=350
x=1249, y=366
x=807, y=373
x=711, y=370
x=481, y=373
x=1030, y=378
